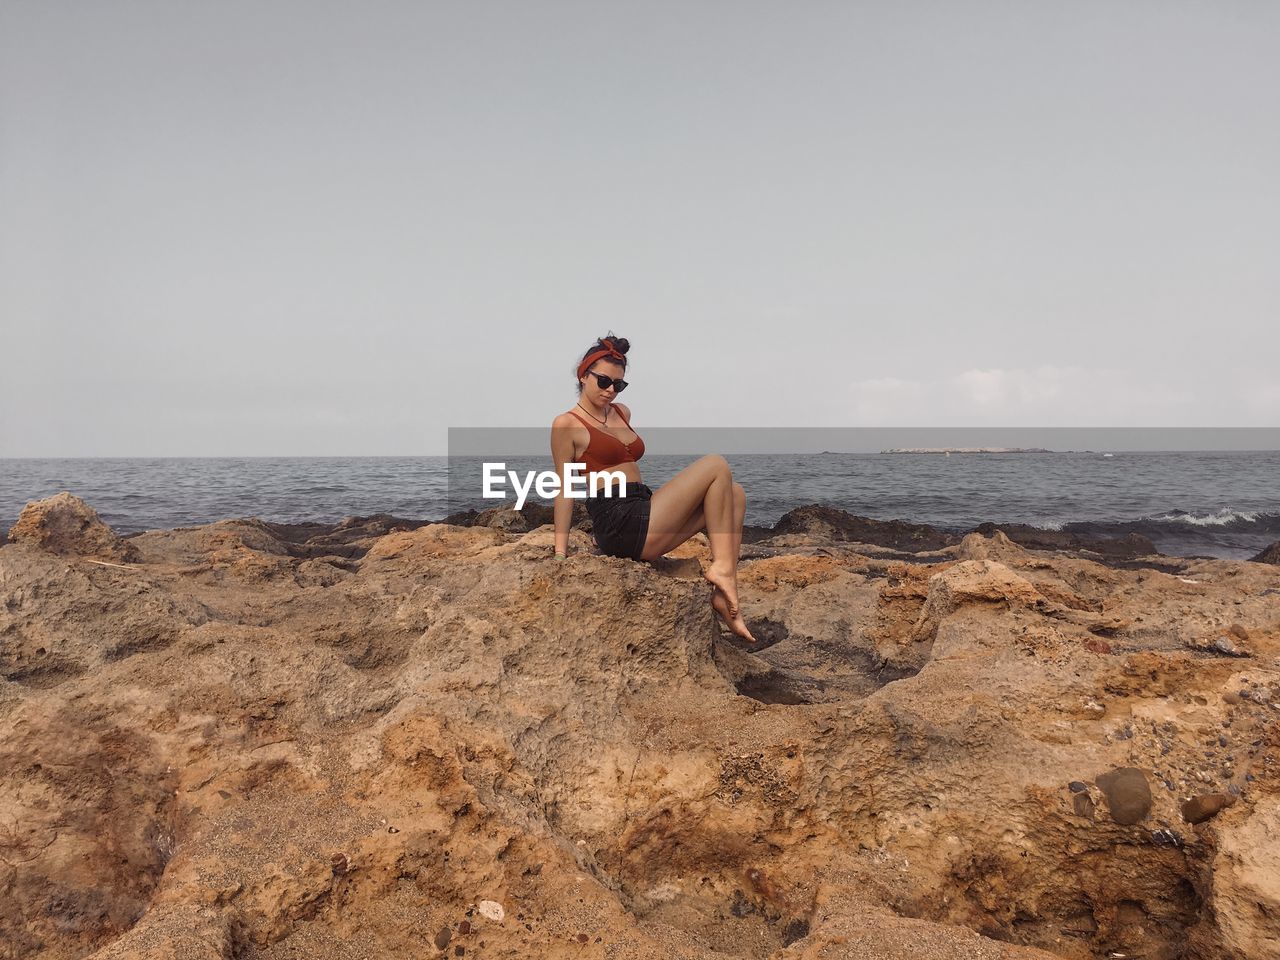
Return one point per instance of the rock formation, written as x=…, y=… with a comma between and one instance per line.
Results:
x=1270, y=555
x=381, y=739
x=66, y=525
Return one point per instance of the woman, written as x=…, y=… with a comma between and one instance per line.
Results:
x=645, y=524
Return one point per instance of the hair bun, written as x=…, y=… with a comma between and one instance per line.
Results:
x=621, y=344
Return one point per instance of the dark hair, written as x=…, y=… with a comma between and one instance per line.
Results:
x=621, y=344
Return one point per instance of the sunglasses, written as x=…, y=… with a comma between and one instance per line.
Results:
x=606, y=382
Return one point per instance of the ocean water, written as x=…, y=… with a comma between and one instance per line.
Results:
x=1220, y=504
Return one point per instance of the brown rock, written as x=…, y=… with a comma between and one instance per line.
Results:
x=1270, y=555
x=1132, y=544
x=1128, y=794
x=185, y=748
x=997, y=546
x=1246, y=882
x=1206, y=805
x=830, y=525
x=66, y=525
x=973, y=581
x=1082, y=804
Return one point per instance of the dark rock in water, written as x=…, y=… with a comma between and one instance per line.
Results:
x=1128, y=794
x=1200, y=808
x=832, y=524
x=462, y=518
x=506, y=517
x=1034, y=538
x=1269, y=555
x=349, y=539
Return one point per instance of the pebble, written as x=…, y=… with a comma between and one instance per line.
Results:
x=491, y=910
x=443, y=938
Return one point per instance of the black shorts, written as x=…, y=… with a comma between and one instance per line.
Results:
x=621, y=524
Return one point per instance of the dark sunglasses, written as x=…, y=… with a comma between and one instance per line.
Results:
x=606, y=382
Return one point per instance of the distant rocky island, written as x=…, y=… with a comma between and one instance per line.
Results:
x=967, y=450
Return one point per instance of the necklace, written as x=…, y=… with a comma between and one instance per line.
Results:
x=605, y=421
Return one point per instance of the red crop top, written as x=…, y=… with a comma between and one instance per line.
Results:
x=605, y=451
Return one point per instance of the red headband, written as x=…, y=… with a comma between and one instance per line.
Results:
x=591, y=358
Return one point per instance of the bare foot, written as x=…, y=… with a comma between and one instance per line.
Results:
x=736, y=624
x=725, y=581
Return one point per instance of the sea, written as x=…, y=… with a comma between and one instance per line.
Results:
x=1211, y=504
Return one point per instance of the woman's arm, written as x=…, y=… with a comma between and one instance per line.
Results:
x=562, y=453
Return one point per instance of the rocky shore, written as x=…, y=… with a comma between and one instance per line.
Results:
x=389, y=738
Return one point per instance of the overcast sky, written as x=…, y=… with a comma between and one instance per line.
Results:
x=288, y=228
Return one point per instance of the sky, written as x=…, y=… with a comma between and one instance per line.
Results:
x=313, y=228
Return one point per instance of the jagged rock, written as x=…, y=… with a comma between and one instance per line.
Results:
x=997, y=546
x=831, y=525
x=1270, y=555
x=972, y=581
x=1246, y=880
x=66, y=525
x=506, y=517
x=300, y=738
x=1130, y=545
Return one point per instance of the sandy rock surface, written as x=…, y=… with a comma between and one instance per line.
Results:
x=66, y=525
x=379, y=739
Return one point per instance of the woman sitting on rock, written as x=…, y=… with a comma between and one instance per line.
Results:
x=645, y=524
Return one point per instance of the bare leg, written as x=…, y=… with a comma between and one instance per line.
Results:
x=706, y=485
x=698, y=522
x=695, y=524
x=734, y=621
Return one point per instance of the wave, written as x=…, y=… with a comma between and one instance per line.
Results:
x=1220, y=518
x=1226, y=532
